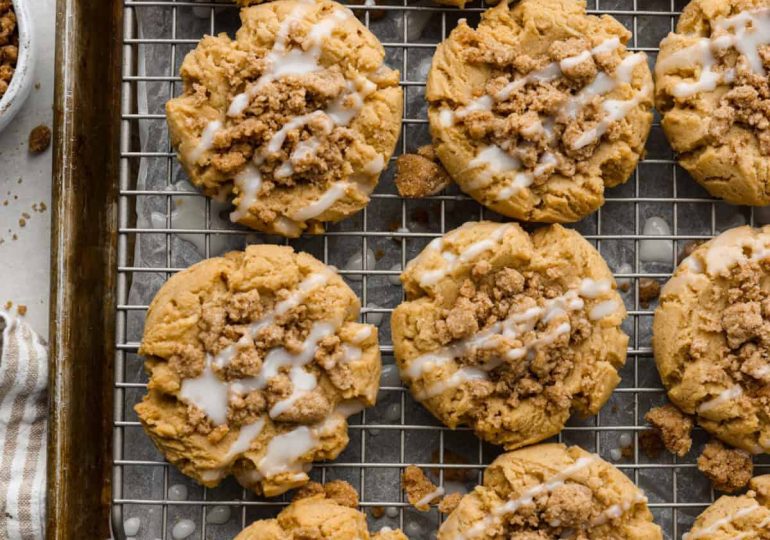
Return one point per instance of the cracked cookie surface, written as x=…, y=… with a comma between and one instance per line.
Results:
x=255, y=361
x=318, y=518
x=539, y=135
x=552, y=491
x=711, y=336
x=713, y=92
x=507, y=332
x=296, y=117
x=746, y=516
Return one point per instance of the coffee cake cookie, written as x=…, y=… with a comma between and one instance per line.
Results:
x=320, y=518
x=319, y=512
x=255, y=361
x=507, y=332
x=746, y=516
x=714, y=94
x=296, y=117
x=539, y=109
x=552, y=491
x=711, y=336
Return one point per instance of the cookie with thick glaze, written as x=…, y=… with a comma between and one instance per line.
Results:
x=552, y=491
x=296, y=116
x=746, y=516
x=508, y=332
x=255, y=361
x=712, y=88
x=711, y=336
x=540, y=108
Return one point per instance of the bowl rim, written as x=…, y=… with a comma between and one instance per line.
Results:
x=24, y=60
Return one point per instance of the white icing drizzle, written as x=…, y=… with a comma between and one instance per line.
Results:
x=335, y=192
x=495, y=160
x=749, y=31
x=207, y=392
x=302, y=383
x=603, y=309
x=249, y=182
x=617, y=510
x=452, y=261
x=725, y=396
x=362, y=334
x=246, y=435
x=526, y=498
x=510, y=328
x=590, y=288
x=430, y=497
x=718, y=524
x=206, y=141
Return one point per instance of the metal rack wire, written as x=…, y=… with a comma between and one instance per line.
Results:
x=383, y=443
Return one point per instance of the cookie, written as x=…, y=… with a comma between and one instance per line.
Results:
x=552, y=491
x=713, y=93
x=297, y=116
x=539, y=109
x=711, y=335
x=319, y=518
x=746, y=516
x=506, y=332
x=255, y=361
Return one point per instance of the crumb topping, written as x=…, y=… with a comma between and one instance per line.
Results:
x=674, y=427
x=226, y=337
x=745, y=324
x=9, y=44
x=420, y=175
x=489, y=297
x=548, y=113
x=729, y=469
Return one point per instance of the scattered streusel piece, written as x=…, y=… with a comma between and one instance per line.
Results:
x=674, y=427
x=729, y=469
x=419, y=489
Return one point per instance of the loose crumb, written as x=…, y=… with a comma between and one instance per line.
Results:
x=729, y=469
x=9, y=45
x=417, y=486
x=39, y=139
x=649, y=289
x=651, y=443
x=449, y=503
x=418, y=176
x=674, y=428
x=21, y=309
x=377, y=512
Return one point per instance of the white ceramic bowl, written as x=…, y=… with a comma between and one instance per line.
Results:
x=21, y=83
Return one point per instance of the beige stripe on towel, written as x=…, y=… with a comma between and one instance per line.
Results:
x=23, y=409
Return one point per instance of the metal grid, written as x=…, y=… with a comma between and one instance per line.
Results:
x=658, y=187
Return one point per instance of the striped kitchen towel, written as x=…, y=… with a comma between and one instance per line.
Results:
x=23, y=420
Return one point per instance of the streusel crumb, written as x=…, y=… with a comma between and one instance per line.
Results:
x=729, y=469
x=418, y=176
x=417, y=486
x=9, y=44
x=674, y=427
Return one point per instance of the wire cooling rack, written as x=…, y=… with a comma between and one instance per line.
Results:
x=154, y=241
